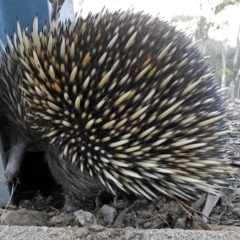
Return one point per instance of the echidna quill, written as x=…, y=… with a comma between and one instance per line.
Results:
x=120, y=100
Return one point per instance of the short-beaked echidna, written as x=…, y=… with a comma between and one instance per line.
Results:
x=121, y=97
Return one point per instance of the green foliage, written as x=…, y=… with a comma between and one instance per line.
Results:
x=228, y=72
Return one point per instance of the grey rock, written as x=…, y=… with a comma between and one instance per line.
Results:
x=85, y=218
x=25, y=217
x=108, y=213
x=63, y=220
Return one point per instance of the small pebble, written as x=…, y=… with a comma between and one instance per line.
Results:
x=108, y=213
x=86, y=219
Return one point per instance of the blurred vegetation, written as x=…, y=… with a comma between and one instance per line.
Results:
x=224, y=58
x=214, y=51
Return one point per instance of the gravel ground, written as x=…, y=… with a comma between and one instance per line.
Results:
x=19, y=232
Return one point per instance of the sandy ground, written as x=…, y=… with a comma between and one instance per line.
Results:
x=25, y=233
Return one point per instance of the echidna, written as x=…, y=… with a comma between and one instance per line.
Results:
x=121, y=99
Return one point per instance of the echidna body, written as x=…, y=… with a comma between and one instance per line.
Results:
x=121, y=97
